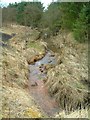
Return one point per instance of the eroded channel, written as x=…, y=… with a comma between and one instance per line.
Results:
x=37, y=85
x=37, y=77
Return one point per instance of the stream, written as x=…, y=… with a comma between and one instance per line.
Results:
x=37, y=77
x=38, y=90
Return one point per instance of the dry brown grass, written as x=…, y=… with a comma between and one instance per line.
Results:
x=65, y=80
x=15, y=76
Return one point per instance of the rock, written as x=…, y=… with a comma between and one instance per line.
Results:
x=48, y=66
x=45, y=80
x=45, y=72
x=40, y=67
x=50, y=61
x=42, y=71
x=34, y=84
x=13, y=34
x=52, y=55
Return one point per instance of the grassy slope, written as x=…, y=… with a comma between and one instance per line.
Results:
x=66, y=80
x=17, y=101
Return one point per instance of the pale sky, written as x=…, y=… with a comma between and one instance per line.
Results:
x=45, y=2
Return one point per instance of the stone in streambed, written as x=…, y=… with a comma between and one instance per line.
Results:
x=50, y=61
x=52, y=55
x=34, y=84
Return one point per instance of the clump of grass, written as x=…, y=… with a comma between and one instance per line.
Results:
x=70, y=96
x=36, y=45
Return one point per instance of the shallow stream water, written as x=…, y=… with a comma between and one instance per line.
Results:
x=38, y=89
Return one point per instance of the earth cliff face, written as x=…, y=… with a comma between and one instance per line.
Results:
x=16, y=100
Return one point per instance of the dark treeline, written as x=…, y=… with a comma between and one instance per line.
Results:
x=69, y=16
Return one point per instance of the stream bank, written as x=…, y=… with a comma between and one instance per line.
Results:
x=55, y=82
x=17, y=102
x=65, y=80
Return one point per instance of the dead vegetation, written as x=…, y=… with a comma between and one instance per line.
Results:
x=65, y=80
x=17, y=102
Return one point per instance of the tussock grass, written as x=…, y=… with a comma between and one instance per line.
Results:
x=65, y=80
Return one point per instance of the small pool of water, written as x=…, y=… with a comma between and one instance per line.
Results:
x=5, y=37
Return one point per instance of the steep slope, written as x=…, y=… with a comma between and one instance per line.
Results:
x=16, y=100
x=66, y=81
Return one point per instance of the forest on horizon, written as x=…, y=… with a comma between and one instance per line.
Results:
x=70, y=16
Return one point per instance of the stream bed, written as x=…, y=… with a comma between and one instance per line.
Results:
x=37, y=77
x=38, y=89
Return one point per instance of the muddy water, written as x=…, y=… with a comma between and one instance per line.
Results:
x=37, y=86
